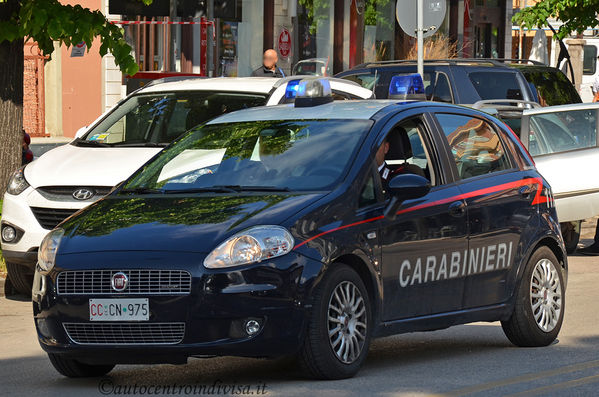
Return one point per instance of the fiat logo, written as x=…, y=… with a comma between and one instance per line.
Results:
x=83, y=194
x=119, y=281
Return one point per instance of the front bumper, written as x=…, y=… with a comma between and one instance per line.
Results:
x=16, y=211
x=214, y=312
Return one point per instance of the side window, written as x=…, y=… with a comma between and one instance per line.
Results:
x=589, y=63
x=442, y=91
x=366, y=80
x=475, y=145
x=368, y=194
x=408, y=152
x=562, y=131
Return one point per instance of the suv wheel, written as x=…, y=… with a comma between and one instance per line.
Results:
x=75, y=369
x=20, y=277
x=539, y=308
x=339, y=328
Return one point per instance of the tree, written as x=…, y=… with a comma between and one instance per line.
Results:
x=576, y=15
x=44, y=21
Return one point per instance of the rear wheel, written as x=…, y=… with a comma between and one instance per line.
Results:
x=539, y=309
x=571, y=234
x=75, y=369
x=339, y=330
x=20, y=277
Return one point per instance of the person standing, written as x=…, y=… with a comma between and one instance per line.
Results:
x=595, y=89
x=269, y=66
x=27, y=154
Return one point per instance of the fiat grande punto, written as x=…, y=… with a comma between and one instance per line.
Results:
x=306, y=229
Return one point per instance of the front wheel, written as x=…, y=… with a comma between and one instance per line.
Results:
x=339, y=328
x=76, y=369
x=20, y=277
x=539, y=308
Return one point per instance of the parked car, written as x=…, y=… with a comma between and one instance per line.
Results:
x=549, y=85
x=460, y=81
x=273, y=231
x=313, y=67
x=70, y=177
x=563, y=142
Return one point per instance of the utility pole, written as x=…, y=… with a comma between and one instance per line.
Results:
x=420, y=37
x=210, y=40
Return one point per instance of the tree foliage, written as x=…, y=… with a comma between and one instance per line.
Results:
x=46, y=21
x=576, y=15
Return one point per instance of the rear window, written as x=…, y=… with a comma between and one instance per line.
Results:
x=496, y=85
x=553, y=87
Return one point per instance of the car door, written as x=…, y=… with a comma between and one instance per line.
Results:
x=498, y=199
x=564, y=143
x=423, y=245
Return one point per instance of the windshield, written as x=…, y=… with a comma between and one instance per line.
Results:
x=257, y=155
x=159, y=118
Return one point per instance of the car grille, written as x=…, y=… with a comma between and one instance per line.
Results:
x=98, y=282
x=125, y=333
x=65, y=193
x=49, y=218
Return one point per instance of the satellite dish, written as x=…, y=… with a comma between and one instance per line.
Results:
x=434, y=14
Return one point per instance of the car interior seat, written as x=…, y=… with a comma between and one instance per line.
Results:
x=401, y=149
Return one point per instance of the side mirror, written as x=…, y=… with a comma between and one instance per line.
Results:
x=80, y=132
x=405, y=187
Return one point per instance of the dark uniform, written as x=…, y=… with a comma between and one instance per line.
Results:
x=262, y=71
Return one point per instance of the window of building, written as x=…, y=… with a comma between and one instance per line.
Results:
x=589, y=64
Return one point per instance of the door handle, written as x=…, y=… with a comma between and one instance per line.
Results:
x=457, y=209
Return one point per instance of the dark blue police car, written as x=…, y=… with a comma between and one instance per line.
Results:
x=306, y=229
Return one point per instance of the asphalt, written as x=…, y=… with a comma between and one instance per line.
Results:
x=474, y=359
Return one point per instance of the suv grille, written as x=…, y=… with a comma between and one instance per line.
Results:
x=49, y=218
x=98, y=282
x=125, y=333
x=65, y=193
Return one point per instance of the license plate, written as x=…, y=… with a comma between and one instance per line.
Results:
x=119, y=309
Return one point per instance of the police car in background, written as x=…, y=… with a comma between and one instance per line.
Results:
x=268, y=232
x=72, y=176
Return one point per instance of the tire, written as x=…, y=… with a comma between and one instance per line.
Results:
x=74, y=369
x=571, y=234
x=322, y=357
x=20, y=278
x=532, y=327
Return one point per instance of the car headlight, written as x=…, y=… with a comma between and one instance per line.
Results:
x=251, y=245
x=48, y=248
x=17, y=183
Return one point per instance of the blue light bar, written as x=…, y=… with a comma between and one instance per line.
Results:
x=406, y=86
x=291, y=90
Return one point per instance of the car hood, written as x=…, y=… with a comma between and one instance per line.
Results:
x=70, y=165
x=169, y=223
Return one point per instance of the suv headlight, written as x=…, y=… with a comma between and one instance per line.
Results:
x=48, y=248
x=17, y=183
x=251, y=245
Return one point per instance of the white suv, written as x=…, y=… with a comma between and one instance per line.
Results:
x=70, y=177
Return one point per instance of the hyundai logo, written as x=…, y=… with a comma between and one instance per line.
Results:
x=119, y=281
x=83, y=194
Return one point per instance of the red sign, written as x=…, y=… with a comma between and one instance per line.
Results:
x=203, y=46
x=284, y=43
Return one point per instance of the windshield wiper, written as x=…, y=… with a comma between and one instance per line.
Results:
x=83, y=142
x=212, y=189
x=141, y=144
x=142, y=190
x=252, y=188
